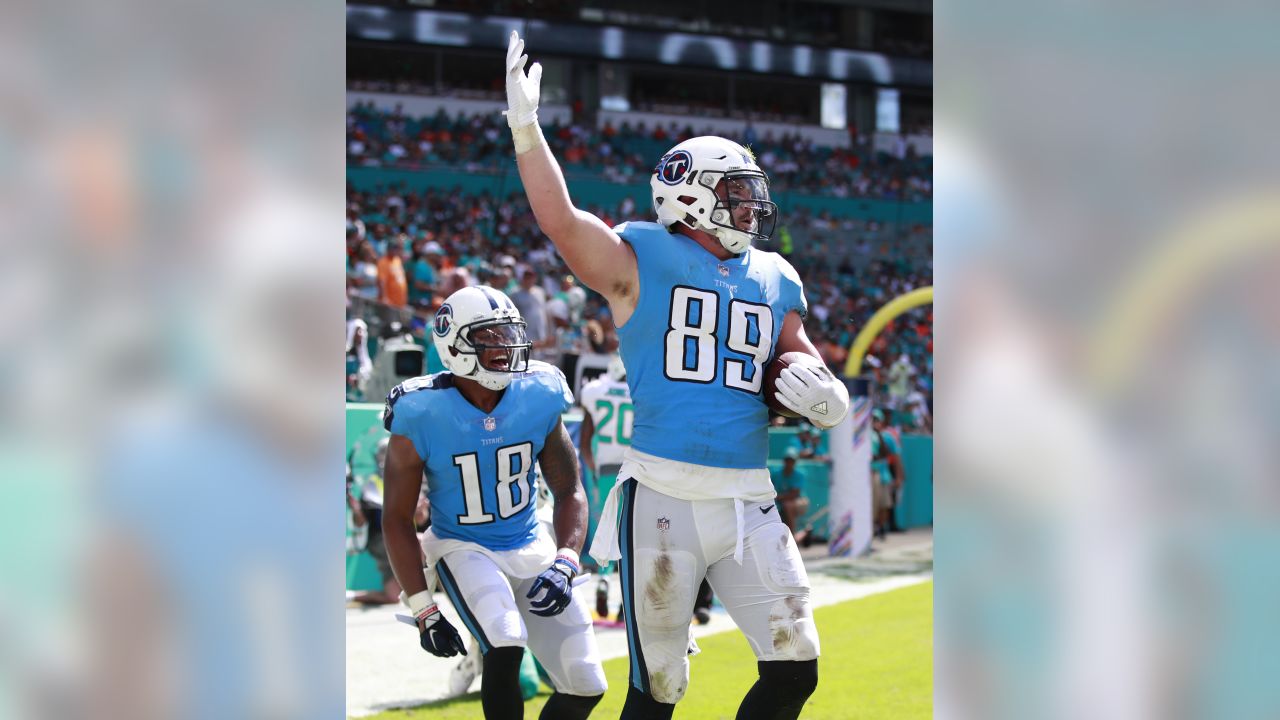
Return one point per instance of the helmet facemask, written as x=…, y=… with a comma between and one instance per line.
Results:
x=499, y=347
x=743, y=212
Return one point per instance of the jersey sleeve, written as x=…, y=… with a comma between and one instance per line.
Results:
x=553, y=391
x=559, y=385
x=405, y=414
x=791, y=289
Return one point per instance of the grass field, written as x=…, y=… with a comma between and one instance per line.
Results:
x=876, y=664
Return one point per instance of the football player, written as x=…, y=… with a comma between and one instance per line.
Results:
x=607, y=415
x=474, y=432
x=700, y=313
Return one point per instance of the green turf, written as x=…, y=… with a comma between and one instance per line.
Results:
x=877, y=663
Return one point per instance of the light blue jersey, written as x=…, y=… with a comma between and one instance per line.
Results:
x=697, y=344
x=480, y=466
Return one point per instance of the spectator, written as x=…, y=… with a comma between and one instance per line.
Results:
x=531, y=300
x=359, y=366
x=899, y=378
x=575, y=296
x=886, y=472
x=363, y=277
x=602, y=334
x=422, y=279
x=921, y=419
x=791, y=500
x=807, y=442
x=564, y=311
x=393, y=287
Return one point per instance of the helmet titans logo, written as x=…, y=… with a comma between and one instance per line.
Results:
x=674, y=167
x=444, y=319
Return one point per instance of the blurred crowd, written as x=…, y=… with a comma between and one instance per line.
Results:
x=408, y=251
x=627, y=153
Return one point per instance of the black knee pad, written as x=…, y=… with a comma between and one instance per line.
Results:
x=569, y=707
x=502, y=661
x=789, y=678
x=640, y=706
x=500, y=684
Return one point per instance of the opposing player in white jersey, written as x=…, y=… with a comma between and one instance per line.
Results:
x=699, y=313
x=474, y=433
x=607, y=418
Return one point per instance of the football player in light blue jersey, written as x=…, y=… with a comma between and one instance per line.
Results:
x=474, y=432
x=700, y=314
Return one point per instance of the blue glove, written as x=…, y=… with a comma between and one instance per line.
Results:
x=437, y=636
x=557, y=580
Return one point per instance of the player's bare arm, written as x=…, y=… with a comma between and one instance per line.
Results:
x=402, y=486
x=593, y=251
x=585, y=433
x=793, y=338
x=560, y=470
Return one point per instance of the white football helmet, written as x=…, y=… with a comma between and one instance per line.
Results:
x=480, y=335
x=616, y=370
x=685, y=191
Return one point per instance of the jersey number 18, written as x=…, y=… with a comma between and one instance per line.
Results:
x=513, y=462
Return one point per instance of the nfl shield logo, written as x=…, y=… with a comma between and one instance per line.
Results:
x=490, y=424
x=724, y=271
x=664, y=524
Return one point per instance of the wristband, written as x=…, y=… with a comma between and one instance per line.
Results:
x=571, y=556
x=417, y=602
x=527, y=137
x=426, y=612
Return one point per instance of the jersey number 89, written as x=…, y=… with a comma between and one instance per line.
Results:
x=693, y=330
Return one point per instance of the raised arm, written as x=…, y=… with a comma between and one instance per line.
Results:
x=593, y=251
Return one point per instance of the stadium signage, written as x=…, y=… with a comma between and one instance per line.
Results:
x=607, y=42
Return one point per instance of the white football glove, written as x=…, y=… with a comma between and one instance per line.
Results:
x=814, y=392
x=522, y=90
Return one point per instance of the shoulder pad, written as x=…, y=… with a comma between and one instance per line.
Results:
x=550, y=376
x=787, y=271
x=438, y=381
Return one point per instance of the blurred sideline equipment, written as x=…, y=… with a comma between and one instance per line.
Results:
x=850, y=522
x=400, y=359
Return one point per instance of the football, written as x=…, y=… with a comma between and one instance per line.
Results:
x=771, y=373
